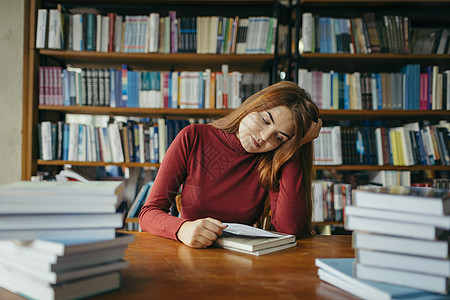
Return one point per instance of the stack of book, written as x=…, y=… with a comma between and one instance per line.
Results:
x=251, y=240
x=400, y=237
x=58, y=239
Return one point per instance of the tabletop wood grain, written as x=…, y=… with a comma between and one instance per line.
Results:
x=164, y=269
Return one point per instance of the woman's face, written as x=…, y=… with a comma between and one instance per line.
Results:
x=264, y=131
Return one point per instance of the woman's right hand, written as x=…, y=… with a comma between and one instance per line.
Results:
x=200, y=233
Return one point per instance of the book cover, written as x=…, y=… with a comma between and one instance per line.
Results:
x=396, y=228
x=412, y=263
x=402, y=245
x=386, y=214
x=430, y=283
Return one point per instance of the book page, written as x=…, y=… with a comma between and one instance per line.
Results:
x=241, y=229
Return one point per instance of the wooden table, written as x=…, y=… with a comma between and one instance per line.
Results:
x=165, y=269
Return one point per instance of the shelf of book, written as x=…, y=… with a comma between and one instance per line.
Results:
x=159, y=61
x=42, y=162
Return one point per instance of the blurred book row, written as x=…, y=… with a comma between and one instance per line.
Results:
x=406, y=145
x=147, y=89
x=369, y=33
x=155, y=33
x=412, y=87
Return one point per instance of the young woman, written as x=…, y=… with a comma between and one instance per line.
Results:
x=259, y=152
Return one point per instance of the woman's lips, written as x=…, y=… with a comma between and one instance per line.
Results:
x=255, y=142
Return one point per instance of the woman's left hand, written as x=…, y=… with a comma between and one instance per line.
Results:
x=312, y=133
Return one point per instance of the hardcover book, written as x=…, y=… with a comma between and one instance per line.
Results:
x=412, y=199
x=252, y=240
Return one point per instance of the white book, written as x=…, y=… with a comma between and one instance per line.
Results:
x=408, y=199
x=98, y=33
x=58, y=234
x=54, y=29
x=207, y=79
x=317, y=215
x=118, y=34
x=99, y=188
x=141, y=142
x=46, y=140
x=336, y=147
x=175, y=93
x=77, y=32
x=105, y=147
x=379, y=146
x=418, y=264
x=41, y=28
x=41, y=261
x=394, y=244
x=326, y=90
x=51, y=208
x=64, y=247
x=19, y=284
x=431, y=283
x=396, y=228
x=73, y=142
x=115, y=142
x=51, y=277
x=386, y=214
x=307, y=24
x=153, y=33
x=105, y=34
x=252, y=240
x=59, y=221
x=162, y=132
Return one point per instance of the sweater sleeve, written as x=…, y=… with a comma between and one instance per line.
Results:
x=288, y=206
x=154, y=216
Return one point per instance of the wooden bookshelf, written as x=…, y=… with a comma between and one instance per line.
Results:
x=35, y=113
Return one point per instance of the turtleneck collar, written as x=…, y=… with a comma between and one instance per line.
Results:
x=232, y=141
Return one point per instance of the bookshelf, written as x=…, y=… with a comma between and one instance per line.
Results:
x=320, y=57
x=34, y=112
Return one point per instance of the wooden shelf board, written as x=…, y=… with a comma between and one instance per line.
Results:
x=156, y=165
x=159, y=61
x=131, y=111
x=93, y=164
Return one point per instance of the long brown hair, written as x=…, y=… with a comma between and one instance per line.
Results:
x=304, y=112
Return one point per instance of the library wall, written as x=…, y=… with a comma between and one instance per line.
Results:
x=11, y=62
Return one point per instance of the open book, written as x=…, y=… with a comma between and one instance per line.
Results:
x=252, y=240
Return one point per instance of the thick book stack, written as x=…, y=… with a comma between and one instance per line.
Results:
x=58, y=239
x=252, y=240
x=400, y=236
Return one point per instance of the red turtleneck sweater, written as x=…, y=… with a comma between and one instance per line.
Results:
x=220, y=180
